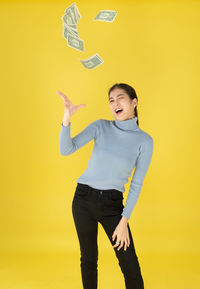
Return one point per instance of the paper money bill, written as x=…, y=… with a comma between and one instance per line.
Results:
x=75, y=31
x=67, y=30
x=92, y=61
x=69, y=18
x=75, y=10
x=72, y=26
x=106, y=15
x=78, y=14
x=72, y=12
x=75, y=42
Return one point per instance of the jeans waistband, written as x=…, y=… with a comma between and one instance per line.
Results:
x=91, y=189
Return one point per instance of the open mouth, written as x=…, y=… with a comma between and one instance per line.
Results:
x=119, y=111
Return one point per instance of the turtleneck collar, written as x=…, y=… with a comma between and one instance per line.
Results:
x=128, y=124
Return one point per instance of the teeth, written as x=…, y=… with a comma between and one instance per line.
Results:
x=117, y=110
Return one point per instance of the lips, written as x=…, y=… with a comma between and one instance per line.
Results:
x=118, y=111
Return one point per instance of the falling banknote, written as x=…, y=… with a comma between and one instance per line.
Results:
x=106, y=15
x=70, y=19
x=74, y=12
x=70, y=30
x=75, y=42
x=92, y=62
x=72, y=15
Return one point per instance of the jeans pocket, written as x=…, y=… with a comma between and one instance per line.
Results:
x=81, y=193
x=117, y=196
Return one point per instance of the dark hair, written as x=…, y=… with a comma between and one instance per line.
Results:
x=130, y=91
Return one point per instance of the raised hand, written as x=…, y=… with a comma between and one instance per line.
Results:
x=69, y=107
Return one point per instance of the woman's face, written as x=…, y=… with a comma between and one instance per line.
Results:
x=119, y=99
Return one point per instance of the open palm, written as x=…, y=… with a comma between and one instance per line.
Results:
x=69, y=107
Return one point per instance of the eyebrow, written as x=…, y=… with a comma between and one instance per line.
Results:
x=116, y=96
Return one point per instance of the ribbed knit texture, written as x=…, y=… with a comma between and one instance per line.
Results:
x=119, y=147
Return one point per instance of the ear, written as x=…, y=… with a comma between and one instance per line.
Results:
x=135, y=101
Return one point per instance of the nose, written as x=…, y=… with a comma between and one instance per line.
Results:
x=116, y=104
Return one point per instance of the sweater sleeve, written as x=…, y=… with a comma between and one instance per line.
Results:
x=142, y=165
x=69, y=145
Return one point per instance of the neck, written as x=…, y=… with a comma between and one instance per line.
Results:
x=127, y=124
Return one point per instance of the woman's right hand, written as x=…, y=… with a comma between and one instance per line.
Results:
x=69, y=107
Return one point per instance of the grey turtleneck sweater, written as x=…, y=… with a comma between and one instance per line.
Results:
x=119, y=147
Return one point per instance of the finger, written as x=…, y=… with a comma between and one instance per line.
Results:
x=113, y=236
x=121, y=245
x=64, y=97
x=126, y=245
x=116, y=244
x=128, y=239
x=60, y=93
x=119, y=242
x=81, y=105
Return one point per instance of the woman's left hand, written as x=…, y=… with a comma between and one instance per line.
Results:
x=122, y=234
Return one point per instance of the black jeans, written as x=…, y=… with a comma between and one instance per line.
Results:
x=90, y=206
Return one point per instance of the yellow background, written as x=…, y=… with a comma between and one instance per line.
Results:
x=151, y=45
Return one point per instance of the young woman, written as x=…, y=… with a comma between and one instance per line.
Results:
x=119, y=147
